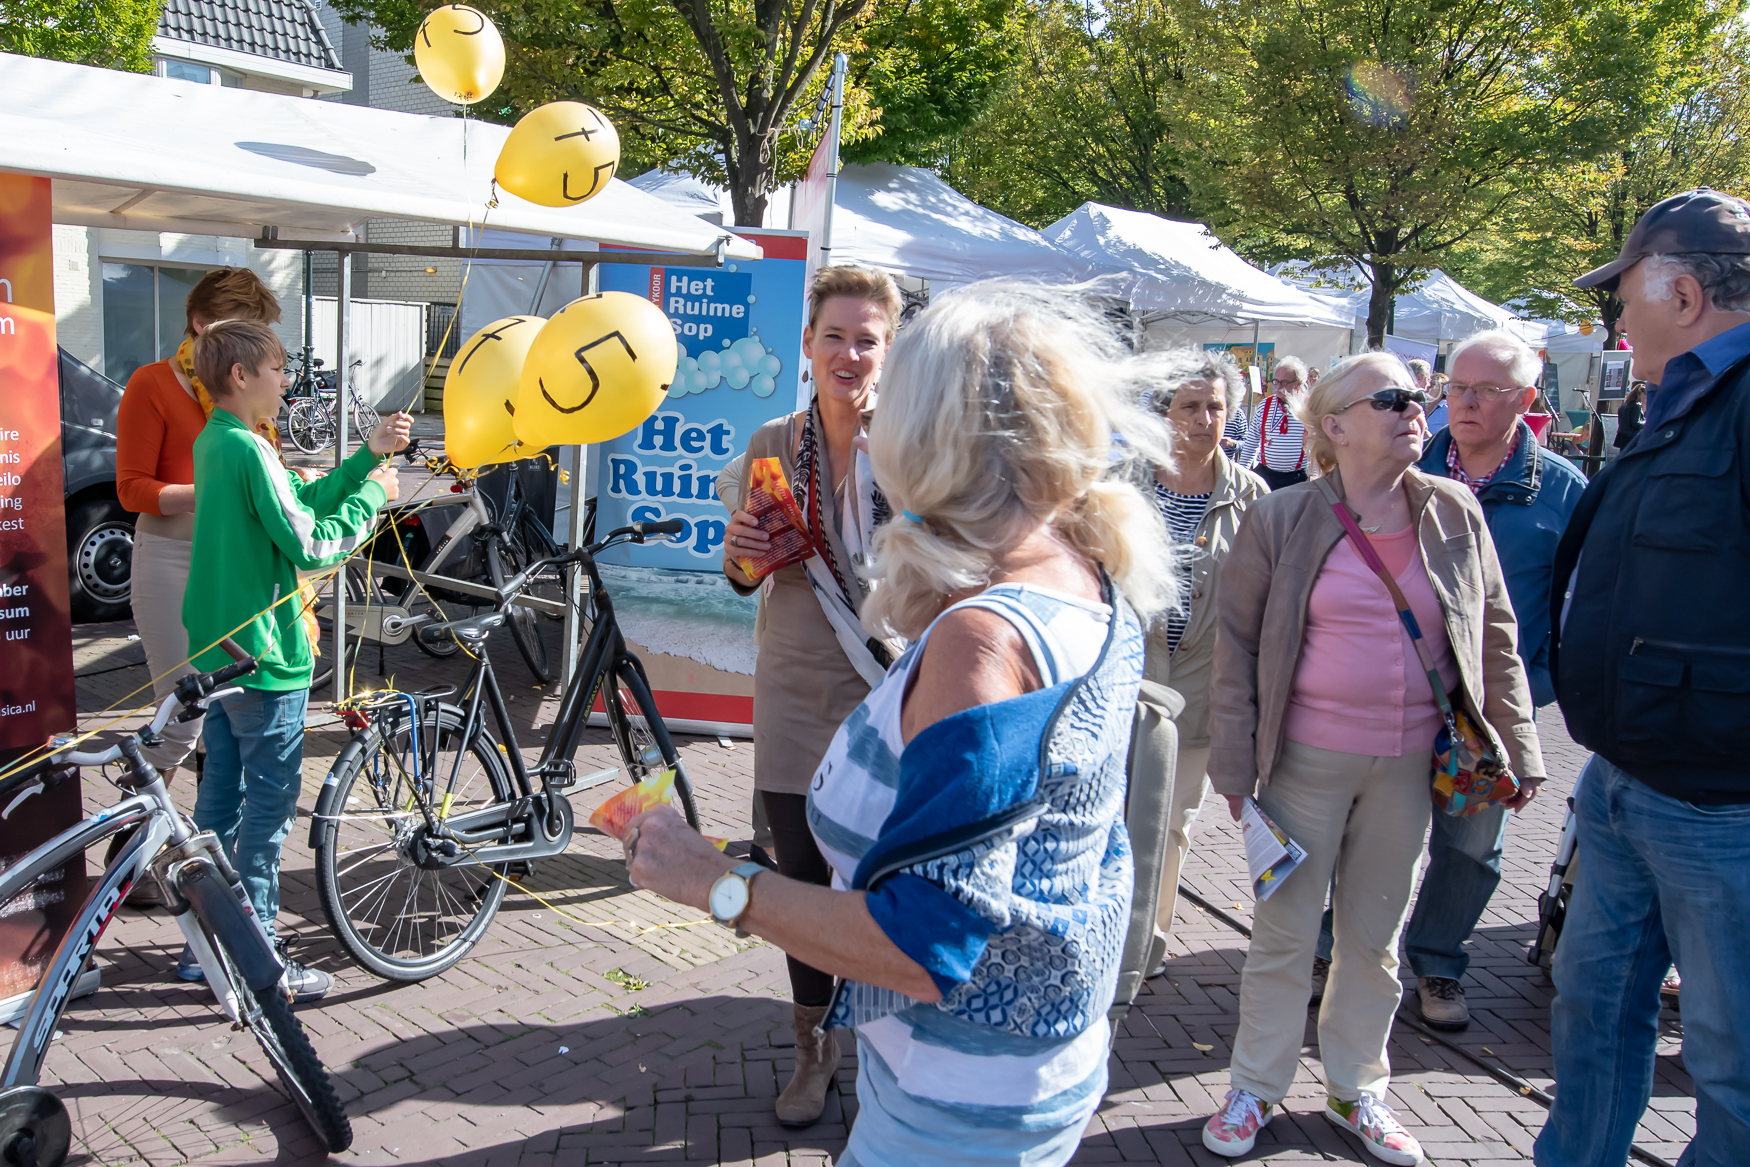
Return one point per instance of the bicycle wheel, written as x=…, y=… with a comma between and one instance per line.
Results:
x=305, y=425
x=395, y=910
x=282, y=1038
x=642, y=735
x=535, y=544
x=322, y=673
x=504, y=559
x=364, y=419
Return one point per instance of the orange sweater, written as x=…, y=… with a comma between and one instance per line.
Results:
x=156, y=426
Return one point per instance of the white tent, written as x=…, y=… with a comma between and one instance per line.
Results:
x=151, y=154
x=1192, y=289
x=1439, y=311
x=904, y=220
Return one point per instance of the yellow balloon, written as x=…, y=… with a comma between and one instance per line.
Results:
x=480, y=392
x=459, y=53
x=600, y=367
x=559, y=155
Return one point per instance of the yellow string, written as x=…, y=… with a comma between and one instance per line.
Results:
x=596, y=923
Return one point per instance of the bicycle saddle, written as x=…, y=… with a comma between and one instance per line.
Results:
x=472, y=631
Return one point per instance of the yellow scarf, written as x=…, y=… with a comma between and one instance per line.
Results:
x=264, y=426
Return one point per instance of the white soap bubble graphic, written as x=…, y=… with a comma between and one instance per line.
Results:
x=742, y=364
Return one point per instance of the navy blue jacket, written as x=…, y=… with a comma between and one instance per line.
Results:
x=1652, y=664
x=1526, y=506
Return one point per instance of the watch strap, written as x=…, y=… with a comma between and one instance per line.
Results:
x=746, y=872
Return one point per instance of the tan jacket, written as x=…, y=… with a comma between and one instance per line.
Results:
x=1190, y=668
x=1268, y=579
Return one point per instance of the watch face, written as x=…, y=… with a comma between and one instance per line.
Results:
x=728, y=898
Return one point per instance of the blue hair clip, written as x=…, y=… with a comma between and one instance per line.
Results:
x=912, y=517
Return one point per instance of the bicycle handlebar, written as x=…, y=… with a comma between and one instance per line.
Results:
x=636, y=533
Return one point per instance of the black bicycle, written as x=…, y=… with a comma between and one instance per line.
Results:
x=425, y=811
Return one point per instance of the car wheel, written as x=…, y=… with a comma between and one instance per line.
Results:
x=100, y=560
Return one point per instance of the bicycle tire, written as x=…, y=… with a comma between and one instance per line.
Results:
x=322, y=667
x=642, y=736
x=282, y=1038
x=504, y=559
x=305, y=426
x=338, y=858
x=536, y=543
x=365, y=418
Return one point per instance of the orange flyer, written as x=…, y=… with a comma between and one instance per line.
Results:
x=769, y=500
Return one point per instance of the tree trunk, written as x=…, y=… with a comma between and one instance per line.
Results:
x=1379, y=305
x=750, y=173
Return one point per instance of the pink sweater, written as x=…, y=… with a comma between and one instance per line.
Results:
x=1359, y=687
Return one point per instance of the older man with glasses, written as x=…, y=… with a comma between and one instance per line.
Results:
x=1275, y=444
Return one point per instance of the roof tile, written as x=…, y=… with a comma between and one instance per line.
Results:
x=285, y=30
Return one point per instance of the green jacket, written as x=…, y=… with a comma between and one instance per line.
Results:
x=256, y=526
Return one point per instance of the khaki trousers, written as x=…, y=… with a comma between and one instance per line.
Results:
x=1190, y=786
x=160, y=573
x=1365, y=819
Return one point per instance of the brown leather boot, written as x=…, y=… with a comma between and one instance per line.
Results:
x=817, y=1067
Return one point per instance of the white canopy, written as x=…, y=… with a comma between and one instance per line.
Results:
x=151, y=154
x=1440, y=309
x=1183, y=273
x=904, y=220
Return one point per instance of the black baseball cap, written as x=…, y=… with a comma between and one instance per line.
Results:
x=1702, y=220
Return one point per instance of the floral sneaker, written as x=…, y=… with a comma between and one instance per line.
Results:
x=1378, y=1128
x=1233, y=1129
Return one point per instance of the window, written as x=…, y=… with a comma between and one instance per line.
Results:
x=144, y=314
x=187, y=71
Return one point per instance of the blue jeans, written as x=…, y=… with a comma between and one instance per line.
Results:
x=248, y=794
x=1659, y=880
x=1464, y=869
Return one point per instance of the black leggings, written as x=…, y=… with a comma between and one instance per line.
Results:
x=800, y=859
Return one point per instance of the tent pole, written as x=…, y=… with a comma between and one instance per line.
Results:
x=1259, y=362
x=342, y=375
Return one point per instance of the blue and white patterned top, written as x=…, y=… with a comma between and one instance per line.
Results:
x=994, y=853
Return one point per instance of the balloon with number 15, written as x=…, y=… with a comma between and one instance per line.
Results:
x=600, y=366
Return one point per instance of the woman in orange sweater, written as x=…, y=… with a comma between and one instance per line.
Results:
x=164, y=408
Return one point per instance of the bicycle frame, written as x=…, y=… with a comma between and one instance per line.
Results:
x=161, y=827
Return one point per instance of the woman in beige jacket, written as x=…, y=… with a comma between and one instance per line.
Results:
x=1201, y=498
x=1322, y=709
x=816, y=662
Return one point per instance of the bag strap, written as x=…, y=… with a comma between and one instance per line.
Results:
x=1371, y=558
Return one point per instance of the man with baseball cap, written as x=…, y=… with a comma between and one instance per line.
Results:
x=1651, y=658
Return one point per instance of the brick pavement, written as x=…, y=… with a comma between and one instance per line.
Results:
x=541, y=1048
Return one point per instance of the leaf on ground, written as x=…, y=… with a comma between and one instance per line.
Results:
x=632, y=984
x=1201, y=1046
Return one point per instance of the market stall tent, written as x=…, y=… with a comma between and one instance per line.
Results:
x=905, y=220
x=1189, y=288
x=147, y=153
x=1438, y=311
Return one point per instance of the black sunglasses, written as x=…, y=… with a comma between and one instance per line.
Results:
x=1396, y=400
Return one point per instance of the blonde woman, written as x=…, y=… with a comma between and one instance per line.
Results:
x=816, y=661
x=1322, y=709
x=972, y=807
x=1201, y=497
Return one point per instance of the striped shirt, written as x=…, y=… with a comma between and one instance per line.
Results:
x=958, y=1070
x=1235, y=429
x=1275, y=437
x=1183, y=514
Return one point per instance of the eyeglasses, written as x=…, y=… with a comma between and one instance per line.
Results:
x=1292, y=381
x=1458, y=392
x=1396, y=400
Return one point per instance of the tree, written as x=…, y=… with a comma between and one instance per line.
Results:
x=711, y=87
x=114, y=34
x=1390, y=134
x=1577, y=216
x=1087, y=115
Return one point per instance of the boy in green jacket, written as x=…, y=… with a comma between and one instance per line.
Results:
x=256, y=525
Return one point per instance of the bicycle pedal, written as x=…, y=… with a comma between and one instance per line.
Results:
x=521, y=869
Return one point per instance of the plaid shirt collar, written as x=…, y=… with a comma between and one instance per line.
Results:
x=1456, y=467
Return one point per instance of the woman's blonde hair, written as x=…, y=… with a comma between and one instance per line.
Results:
x=862, y=283
x=1003, y=405
x=1335, y=390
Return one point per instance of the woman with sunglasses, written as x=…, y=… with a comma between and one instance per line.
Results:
x=1321, y=708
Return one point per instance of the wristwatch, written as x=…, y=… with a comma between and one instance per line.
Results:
x=732, y=895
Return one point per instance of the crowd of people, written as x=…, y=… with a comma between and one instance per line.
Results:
x=1048, y=571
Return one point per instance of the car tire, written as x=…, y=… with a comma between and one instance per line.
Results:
x=100, y=555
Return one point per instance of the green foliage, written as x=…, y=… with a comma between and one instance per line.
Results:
x=1087, y=114
x=1575, y=217
x=112, y=34
x=709, y=88
x=1391, y=134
